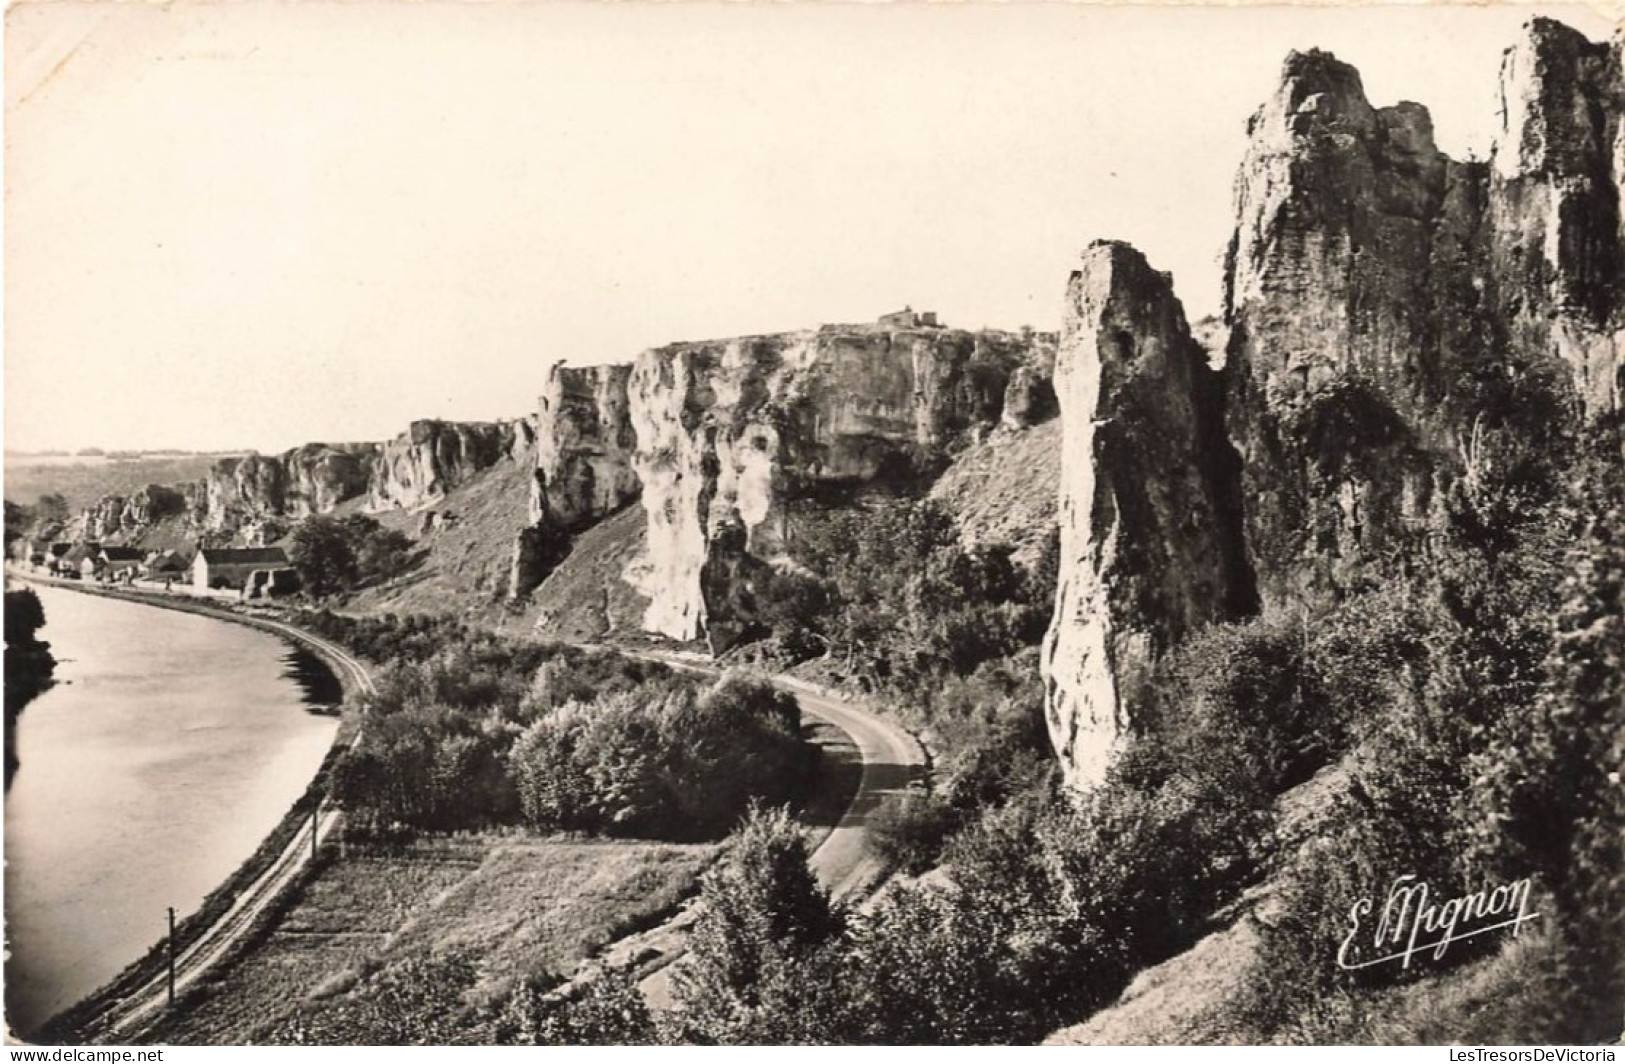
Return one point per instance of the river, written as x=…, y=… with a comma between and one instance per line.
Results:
x=170, y=747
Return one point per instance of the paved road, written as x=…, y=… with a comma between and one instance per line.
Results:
x=892, y=759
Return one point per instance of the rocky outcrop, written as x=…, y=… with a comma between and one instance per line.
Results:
x=1352, y=229
x=1387, y=311
x=433, y=457
x=307, y=480
x=582, y=466
x=1149, y=512
x=731, y=433
x=113, y=518
x=1029, y=398
x=1555, y=209
x=255, y=499
x=584, y=447
x=1386, y=303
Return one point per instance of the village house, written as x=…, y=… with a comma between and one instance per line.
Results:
x=166, y=565
x=909, y=318
x=231, y=567
x=119, y=563
x=81, y=560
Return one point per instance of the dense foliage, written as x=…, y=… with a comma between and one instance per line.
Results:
x=468, y=730
x=333, y=554
x=670, y=764
x=900, y=603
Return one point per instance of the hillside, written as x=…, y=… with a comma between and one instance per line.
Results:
x=464, y=549
x=1004, y=488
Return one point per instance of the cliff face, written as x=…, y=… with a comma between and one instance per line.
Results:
x=257, y=489
x=1555, y=206
x=731, y=433
x=1387, y=310
x=432, y=457
x=1150, y=524
x=1385, y=302
x=113, y=518
x=1352, y=231
x=256, y=499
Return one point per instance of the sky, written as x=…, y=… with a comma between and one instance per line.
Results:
x=252, y=225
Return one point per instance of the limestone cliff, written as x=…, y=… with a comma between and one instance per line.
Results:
x=1386, y=303
x=257, y=489
x=582, y=466
x=1387, y=311
x=732, y=433
x=256, y=499
x=1555, y=214
x=114, y=518
x=1150, y=526
x=584, y=446
x=432, y=457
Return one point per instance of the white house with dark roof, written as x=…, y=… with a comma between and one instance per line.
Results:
x=231, y=567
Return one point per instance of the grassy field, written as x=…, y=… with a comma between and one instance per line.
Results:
x=522, y=906
x=84, y=480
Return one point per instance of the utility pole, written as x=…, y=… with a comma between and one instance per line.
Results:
x=171, y=956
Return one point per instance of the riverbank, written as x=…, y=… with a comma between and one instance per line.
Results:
x=120, y=1007
x=29, y=666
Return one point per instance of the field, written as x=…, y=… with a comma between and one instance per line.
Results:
x=83, y=480
x=522, y=906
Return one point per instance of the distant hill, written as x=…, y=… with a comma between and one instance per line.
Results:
x=83, y=479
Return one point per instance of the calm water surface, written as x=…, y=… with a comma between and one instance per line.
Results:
x=169, y=748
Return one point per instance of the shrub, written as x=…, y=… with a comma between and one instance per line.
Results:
x=763, y=912
x=661, y=763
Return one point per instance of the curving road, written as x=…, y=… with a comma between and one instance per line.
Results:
x=892, y=760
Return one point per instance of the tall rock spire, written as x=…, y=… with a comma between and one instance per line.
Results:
x=1150, y=537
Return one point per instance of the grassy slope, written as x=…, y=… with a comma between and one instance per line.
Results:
x=1005, y=488
x=521, y=906
x=465, y=569
x=586, y=598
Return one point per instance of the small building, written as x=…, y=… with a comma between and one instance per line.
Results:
x=231, y=567
x=119, y=563
x=166, y=565
x=909, y=318
x=80, y=560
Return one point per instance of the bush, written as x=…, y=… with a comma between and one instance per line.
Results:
x=763, y=915
x=908, y=833
x=675, y=765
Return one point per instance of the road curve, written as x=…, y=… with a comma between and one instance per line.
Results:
x=843, y=862
x=891, y=760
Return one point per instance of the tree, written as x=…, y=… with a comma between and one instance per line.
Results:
x=51, y=509
x=24, y=617
x=335, y=554
x=323, y=552
x=763, y=913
